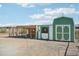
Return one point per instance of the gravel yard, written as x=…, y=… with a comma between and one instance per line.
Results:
x=33, y=47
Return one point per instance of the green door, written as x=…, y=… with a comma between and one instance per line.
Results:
x=62, y=32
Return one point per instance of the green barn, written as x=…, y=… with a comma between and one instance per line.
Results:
x=61, y=29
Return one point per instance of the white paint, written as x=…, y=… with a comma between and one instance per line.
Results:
x=50, y=32
x=39, y=32
x=69, y=33
x=44, y=35
x=74, y=33
x=36, y=31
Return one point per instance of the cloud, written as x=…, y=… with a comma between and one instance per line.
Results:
x=26, y=5
x=49, y=13
x=61, y=10
x=32, y=4
x=0, y=5
x=37, y=16
x=22, y=4
x=71, y=5
x=42, y=16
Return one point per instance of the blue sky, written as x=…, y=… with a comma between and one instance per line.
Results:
x=21, y=13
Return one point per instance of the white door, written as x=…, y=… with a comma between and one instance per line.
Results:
x=62, y=32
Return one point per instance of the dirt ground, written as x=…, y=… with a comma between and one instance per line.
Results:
x=33, y=47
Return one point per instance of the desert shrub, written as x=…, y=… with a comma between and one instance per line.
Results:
x=2, y=30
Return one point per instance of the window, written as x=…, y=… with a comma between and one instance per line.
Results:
x=44, y=30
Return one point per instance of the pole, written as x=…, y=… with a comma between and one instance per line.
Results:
x=66, y=49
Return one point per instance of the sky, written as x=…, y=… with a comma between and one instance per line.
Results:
x=30, y=13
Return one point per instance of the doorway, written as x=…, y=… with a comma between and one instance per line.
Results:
x=63, y=32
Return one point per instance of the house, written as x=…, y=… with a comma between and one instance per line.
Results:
x=61, y=29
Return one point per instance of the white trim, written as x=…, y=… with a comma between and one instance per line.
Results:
x=56, y=32
x=74, y=33
x=52, y=33
x=69, y=33
x=63, y=32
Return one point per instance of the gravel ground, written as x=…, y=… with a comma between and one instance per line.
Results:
x=33, y=47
